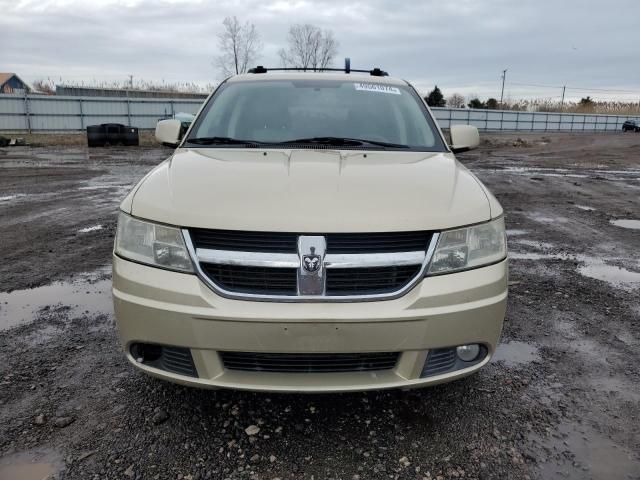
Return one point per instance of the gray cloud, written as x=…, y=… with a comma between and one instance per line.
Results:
x=461, y=46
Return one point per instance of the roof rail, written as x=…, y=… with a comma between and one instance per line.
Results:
x=376, y=72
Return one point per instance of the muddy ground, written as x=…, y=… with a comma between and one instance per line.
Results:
x=72, y=139
x=561, y=399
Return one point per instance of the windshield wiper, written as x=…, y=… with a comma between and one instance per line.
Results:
x=220, y=141
x=345, y=141
x=332, y=141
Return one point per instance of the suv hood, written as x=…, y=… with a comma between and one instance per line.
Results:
x=311, y=191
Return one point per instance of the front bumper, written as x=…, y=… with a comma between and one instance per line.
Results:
x=167, y=308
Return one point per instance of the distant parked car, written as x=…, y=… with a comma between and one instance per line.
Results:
x=631, y=125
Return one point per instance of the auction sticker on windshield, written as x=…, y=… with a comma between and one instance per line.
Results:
x=374, y=87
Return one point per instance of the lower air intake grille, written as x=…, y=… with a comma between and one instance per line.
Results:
x=439, y=360
x=256, y=280
x=308, y=362
x=178, y=360
x=369, y=281
x=165, y=357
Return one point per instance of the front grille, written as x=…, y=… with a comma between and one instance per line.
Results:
x=387, y=242
x=308, y=362
x=240, y=241
x=283, y=242
x=355, y=264
x=254, y=280
x=369, y=281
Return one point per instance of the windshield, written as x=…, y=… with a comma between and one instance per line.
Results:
x=311, y=111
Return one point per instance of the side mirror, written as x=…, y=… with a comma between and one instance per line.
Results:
x=463, y=138
x=168, y=132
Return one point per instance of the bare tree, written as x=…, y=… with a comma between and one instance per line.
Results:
x=239, y=46
x=455, y=100
x=44, y=86
x=309, y=47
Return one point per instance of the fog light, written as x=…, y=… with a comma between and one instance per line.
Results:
x=468, y=353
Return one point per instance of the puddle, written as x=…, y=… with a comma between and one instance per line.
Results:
x=616, y=276
x=96, y=187
x=591, y=267
x=606, y=174
x=633, y=224
x=513, y=354
x=536, y=217
x=585, y=208
x=538, y=256
x=541, y=172
x=39, y=465
x=580, y=452
x=84, y=295
x=94, y=228
x=513, y=233
x=534, y=243
x=7, y=198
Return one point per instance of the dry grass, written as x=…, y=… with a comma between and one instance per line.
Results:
x=600, y=107
x=48, y=85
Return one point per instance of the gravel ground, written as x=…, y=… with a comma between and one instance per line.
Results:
x=561, y=399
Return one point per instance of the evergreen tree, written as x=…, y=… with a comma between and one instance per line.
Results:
x=435, y=98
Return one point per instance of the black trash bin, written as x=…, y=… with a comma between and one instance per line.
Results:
x=96, y=136
x=129, y=136
x=113, y=132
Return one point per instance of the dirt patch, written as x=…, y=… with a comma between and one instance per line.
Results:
x=559, y=401
x=53, y=199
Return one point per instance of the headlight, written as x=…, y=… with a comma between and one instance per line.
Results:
x=152, y=244
x=469, y=247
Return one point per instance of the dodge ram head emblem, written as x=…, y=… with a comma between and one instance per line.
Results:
x=311, y=277
x=311, y=263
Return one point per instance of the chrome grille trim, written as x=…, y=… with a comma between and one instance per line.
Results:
x=366, y=260
x=248, y=259
x=410, y=257
x=291, y=260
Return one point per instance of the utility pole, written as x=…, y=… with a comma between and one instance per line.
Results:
x=562, y=101
x=131, y=82
x=504, y=76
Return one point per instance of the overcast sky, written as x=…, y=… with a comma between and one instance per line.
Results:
x=462, y=45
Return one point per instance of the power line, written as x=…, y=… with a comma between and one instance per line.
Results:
x=605, y=90
x=535, y=85
x=584, y=89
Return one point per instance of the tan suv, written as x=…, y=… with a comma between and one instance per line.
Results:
x=311, y=232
